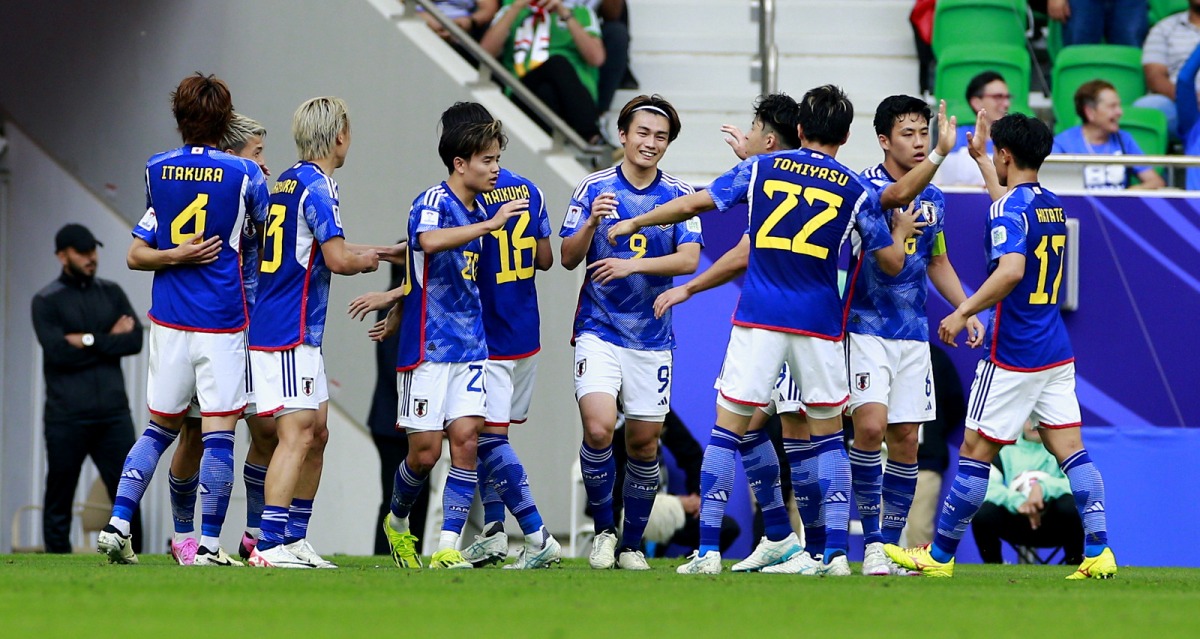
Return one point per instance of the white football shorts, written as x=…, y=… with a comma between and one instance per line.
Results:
x=208, y=366
x=288, y=381
x=786, y=397
x=1001, y=400
x=755, y=356
x=640, y=379
x=509, y=390
x=897, y=373
x=436, y=393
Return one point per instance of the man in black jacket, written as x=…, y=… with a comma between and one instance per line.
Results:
x=85, y=326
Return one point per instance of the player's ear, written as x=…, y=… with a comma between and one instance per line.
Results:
x=460, y=165
x=885, y=142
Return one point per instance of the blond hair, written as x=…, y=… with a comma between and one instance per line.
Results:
x=241, y=129
x=316, y=124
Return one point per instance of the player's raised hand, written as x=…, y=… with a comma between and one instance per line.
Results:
x=611, y=268
x=196, y=250
x=947, y=131
x=736, y=140
x=670, y=297
x=950, y=327
x=511, y=209
x=385, y=327
x=977, y=141
x=975, y=332
x=908, y=221
x=367, y=302
x=621, y=229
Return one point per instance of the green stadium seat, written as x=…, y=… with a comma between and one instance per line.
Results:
x=974, y=22
x=1160, y=9
x=958, y=64
x=1148, y=128
x=1074, y=65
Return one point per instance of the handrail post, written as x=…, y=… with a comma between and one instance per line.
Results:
x=768, y=53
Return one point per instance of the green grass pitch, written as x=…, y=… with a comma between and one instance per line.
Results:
x=81, y=595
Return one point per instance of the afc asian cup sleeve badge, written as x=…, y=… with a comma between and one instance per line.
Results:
x=862, y=381
x=420, y=407
x=581, y=367
x=307, y=386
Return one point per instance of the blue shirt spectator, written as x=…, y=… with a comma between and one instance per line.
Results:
x=1099, y=107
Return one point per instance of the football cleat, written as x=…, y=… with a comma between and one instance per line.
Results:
x=184, y=552
x=1102, y=566
x=769, y=553
x=529, y=558
x=632, y=560
x=448, y=558
x=800, y=563
x=247, y=545
x=304, y=552
x=403, y=545
x=206, y=557
x=487, y=550
x=919, y=560
x=709, y=564
x=276, y=557
x=118, y=547
x=604, y=549
x=876, y=563
x=839, y=566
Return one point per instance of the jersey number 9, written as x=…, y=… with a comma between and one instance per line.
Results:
x=799, y=243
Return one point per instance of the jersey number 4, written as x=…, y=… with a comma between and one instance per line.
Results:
x=513, y=250
x=196, y=213
x=1056, y=244
x=799, y=243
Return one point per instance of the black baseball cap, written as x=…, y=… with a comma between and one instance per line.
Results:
x=76, y=236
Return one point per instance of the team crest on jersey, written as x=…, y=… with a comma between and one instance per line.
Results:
x=420, y=407
x=307, y=386
x=929, y=212
x=581, y=367
x=862, y=381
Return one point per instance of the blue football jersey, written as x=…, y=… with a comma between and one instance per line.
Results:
x=293, y=283
x=201, y=190
x=443, y=318
x=506, y=270
x=250, y=263
x=894, y=307
x=1026, y=331
x=802, y=207
x=621, y=312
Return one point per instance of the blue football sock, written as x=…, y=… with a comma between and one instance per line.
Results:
x=457, y=498
x=216, y=481
x=506, y=474
x=255, y=478
x=297, y=525
x=183, y=502
x=899, y=486
x=493, y=506
x=716, y=482
x=833, y=472
x=641, y=485
x=405, y=489
x=139, y=469
x=802, y=458
x=1087, y=486
x=965, y=498
x=762, y=470
x=866, y=472
x=599, y=479
x=274, y=525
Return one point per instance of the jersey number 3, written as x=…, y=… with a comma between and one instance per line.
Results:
x=799, y=243
x=273, y=239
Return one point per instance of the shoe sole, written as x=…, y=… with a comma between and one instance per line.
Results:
x=488, y=560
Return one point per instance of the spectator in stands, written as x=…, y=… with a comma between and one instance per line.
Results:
x=1028, y=503
x=1189, y=114
x=556, y=50
x=1099, y=107
x=1167, y=47
x=933, y=454
x=1101, y=21
x=472, y=16
x=989, y=91
x=614, y=31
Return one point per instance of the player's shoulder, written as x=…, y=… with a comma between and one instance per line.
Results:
x=434, y=197
x=877, y=177
x=509, y=178
x=598, y=178
x=1013, y=204
x=225, y=160
x=165, y=156
x=676, y=184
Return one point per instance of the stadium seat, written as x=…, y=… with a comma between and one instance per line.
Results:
x=1160, y=9
x=975, y=22
x=1148, y=128
x=1074, y=65
x=958, y=64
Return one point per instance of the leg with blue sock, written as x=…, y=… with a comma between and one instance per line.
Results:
x=255, y=478
x=1087, y=486
x=506, y=476
x=299, y=514
x=137, y=472
x=640, y=487
x=183, y=503
x=833, y=472
x=599, y=472
x=866, y=472
x=493, y=506
x=716, y=484
x=965, y=498
x=802, y=459
x=762, y=470
x=216, y=485
x=899, y=486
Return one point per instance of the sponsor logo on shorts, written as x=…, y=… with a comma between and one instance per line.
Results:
x=862, y=381
x=581, y=367
x=307, y=386
x=420, y=407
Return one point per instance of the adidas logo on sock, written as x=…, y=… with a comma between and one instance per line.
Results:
x=202, y=489
x=132, y=473
x=1096, y=507
x=718, y=495
x=838, y=497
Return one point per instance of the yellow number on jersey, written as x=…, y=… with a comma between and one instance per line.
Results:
x=910, y=246
x=514, y=268
x=472, y=266
x=273, y=239
x=799, y=243
x=194, y=212
x=1056, y=243
x=637, y=244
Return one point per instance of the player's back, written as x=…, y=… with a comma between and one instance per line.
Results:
x=1026, y=331
x=506, y=270
x=292, y=299
x=199, y=190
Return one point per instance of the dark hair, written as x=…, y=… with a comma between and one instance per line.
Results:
x=203, y=109
x=467, y=140
x=654, y=104
x=1088, y=93
x=889, y=112
x=975, y=86
x=462, y=113
x=1028, y=139
x=780, y=113
x=825, y=115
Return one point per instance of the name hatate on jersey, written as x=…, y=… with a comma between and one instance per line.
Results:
x=201, y=191
x=506, y=270
x=894, y=307
x=293, y=285
x=802, y=207
x=443, y=317
x=1026, y=331
x=621, y=312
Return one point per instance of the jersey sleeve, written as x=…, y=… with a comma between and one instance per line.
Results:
x=147, y=227
x=1006, y=233
x=689, y=230
x=871, y=223
x=258, y=197
x=732, y=187
x=537, y=208
x=322, y=213
x=578, y=211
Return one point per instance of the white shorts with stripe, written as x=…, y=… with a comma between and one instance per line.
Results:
x=251, y=409
x=1001, y=400
x=640, y=379
x=897, y=373
x=208, y=366
x=436, y=393
x=288, y=381
x=509, y=390
x=755, y=356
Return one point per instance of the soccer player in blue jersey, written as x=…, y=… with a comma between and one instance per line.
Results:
x=891, y=377
x=621, y=349
x=303, y=245
x=1029, y=369
x=803, y=204
x=443, y=347
x=245, y=140
x=198, y=199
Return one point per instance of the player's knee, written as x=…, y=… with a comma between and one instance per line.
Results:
x=423, y=460
x=642, y=449
x=597, y=434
